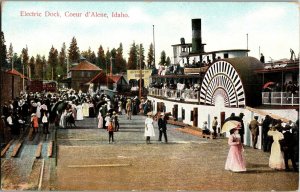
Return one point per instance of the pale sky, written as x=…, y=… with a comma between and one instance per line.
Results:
x=272, y=26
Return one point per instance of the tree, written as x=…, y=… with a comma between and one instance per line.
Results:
x=17, y=62
x=113, y=60
x=3, y=52
x=101, y=58
x=132, y=60
x=150, y=60
x=31, y=66
x=93, y=58
x=74, y=55
x=3, y=61
x=141, y=51
x=162, y=58
x=168, y=61
x=44, y=64
x=87, y=54
x=107, y=60
x=11, y=55
x=62, y=60
x=38, y=67
x=120, y=62
x=25, y=59
x=53, y=62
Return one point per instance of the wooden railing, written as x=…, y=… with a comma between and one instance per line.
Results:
x=187, y=94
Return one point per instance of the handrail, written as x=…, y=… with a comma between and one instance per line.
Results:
x=187, y=94
x=280, y=98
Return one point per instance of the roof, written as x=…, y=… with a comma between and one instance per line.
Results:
x=15, y=72
x=101, y=78
x=115, y=78
x=85, y=66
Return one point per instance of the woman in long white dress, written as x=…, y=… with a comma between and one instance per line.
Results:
x=79, y=112
x=63, y=122
x=100, y=119
x=149, y=128
x=85, y=109
x=276, y=160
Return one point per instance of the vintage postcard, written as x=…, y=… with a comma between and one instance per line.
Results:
x=149, y=96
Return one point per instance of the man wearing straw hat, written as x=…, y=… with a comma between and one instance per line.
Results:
x=162, y=127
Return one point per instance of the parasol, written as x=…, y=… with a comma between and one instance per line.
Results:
x=231, y=124
x=266, y=85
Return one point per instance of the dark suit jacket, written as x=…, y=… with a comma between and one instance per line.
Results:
x=162, y=123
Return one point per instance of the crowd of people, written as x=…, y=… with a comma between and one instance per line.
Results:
x=64, y=108
x=37, y=110
x=289, y=87
x=278, y=138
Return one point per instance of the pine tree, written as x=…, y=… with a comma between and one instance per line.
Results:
x=3, y=52
x=31, y=66
x=62, y=60
x=101, y=58
x=93, y=58
x=25, y=59
x=141, y=61
x=53, y=62
x=10, y=55
x=87, y=54
x=74, y=55
x=107, y=61
x=132, y=60
x=113, y=60
x=150, y=60
x=120, y=62
x=168, y=61
x=17, y=62
x=38, y=67
x=162, y=58
x=44, y=67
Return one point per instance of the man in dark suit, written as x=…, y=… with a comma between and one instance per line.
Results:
x=265, y=138
x=287, y=147
x=162, y=127
x=242, y=130
x=254, y=128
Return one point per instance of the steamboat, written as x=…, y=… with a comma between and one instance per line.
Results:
x=202, y=85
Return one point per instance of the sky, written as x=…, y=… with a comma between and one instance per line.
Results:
x=272, y=27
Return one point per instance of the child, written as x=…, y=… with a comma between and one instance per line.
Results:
x=110, y=130
x=34, y=122
x=45, y=123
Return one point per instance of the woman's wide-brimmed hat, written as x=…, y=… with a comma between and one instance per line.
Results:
x=33, y=114
x=232, y=124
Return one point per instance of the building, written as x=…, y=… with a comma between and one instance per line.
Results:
x=13, y=84
x=81, y=74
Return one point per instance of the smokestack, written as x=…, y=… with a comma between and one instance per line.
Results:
x=196, y=37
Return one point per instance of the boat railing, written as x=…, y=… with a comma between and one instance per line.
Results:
x=175, y=94
x=280, y=98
